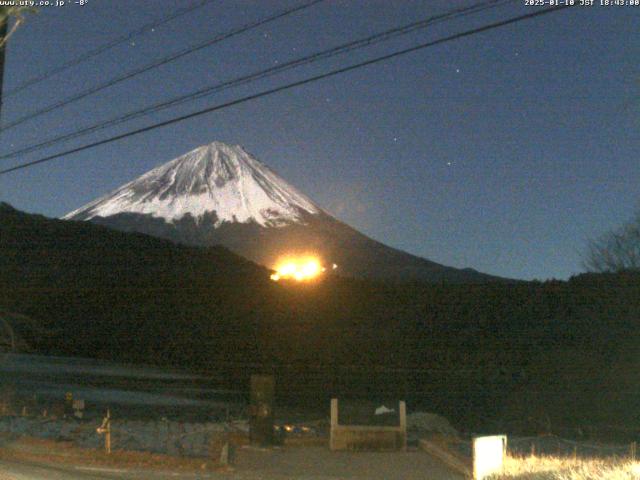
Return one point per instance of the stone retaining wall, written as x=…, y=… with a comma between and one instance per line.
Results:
x=167, y=437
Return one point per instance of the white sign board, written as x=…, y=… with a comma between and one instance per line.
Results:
x=488, y=455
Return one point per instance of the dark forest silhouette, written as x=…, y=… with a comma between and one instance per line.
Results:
x=526, y=355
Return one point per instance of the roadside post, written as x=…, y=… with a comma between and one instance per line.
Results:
x=105, y=429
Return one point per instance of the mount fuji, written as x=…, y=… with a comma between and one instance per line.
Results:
x=219, y=194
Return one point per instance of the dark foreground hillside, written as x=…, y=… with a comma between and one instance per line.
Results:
x=526, y=356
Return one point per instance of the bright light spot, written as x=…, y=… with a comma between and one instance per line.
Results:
x=298, y=268
x=488, y=455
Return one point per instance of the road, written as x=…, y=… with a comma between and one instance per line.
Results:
x=38, y=471
x=309, y=463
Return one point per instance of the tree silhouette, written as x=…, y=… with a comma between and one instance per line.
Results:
x=617, y=250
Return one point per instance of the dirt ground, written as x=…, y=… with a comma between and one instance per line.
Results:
x=27, y=449
x=284, y=463
x=319, y=463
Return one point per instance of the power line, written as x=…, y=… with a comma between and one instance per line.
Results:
x=103, y=48
x=158, y=63
x=312, y=58
x=289, y=86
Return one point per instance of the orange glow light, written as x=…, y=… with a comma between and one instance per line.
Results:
x=298, y=268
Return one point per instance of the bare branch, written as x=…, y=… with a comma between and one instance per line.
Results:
x=617, y=250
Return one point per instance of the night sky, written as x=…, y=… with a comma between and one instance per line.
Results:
x=504, y=151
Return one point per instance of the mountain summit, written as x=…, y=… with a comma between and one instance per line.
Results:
x=219, y=194
x=216, y=178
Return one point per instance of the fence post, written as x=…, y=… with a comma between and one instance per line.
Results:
x=334, y=423
x=107, y=437
x=334, y=412
x=403, y=423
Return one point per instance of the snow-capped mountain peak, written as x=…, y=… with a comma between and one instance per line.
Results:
x=218, y=178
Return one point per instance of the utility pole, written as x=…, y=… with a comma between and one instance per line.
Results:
x=3, y=34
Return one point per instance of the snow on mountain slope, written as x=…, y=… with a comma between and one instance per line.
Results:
x=219, y=194
x=216, y=178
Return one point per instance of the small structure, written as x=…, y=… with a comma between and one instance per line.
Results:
x=484, y=459
x=488, y=455
x=362, y=436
